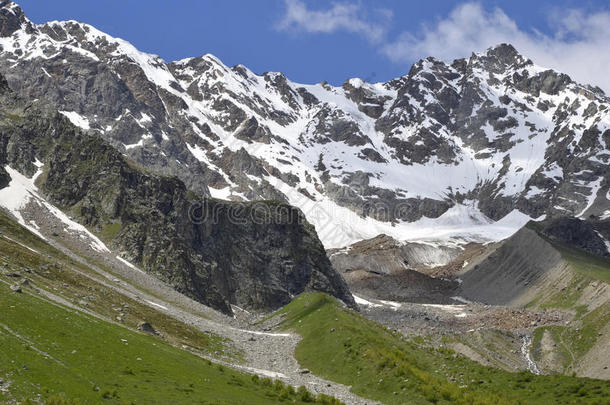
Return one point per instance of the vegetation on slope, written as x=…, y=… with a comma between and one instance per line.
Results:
x=341, y=345
x=60, y=355
x=572, y=342
x=589, y=265
x=52, y=353
x=25, y=254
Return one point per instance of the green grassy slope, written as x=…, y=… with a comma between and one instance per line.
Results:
x=58, y=355
x=25, y=253
x=572, y=342
x=591, y=266
x=341, y=345
x=53, y=352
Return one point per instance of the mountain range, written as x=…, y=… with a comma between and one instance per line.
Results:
x=182, y=232
x=469, y=150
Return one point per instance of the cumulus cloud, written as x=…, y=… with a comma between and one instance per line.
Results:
x=579, y=45
x=345, y=16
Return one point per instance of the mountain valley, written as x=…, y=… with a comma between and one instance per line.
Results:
x=189, y=232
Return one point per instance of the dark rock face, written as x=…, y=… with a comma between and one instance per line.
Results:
x=493, y=130
x=575, y=233
x=255, y=255
x=5, y=179
x=12, y=19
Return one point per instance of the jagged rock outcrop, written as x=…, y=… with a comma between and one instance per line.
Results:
x=254, y=255
x=577, y=233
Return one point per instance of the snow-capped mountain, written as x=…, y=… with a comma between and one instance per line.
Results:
x=472, y=148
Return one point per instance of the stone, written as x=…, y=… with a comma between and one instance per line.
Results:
x=147, y=328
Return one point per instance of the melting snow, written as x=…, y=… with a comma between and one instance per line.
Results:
x=255, y=332
x=392, y=304
x=362, y=301
x=156, y=305
x=22, y=190
x=266, y=373
x=77, y=119
x=449, y=308
x=339, y=226
x=125, y=262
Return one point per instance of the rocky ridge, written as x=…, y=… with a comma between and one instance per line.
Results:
x=255, y=255
x=494, y=132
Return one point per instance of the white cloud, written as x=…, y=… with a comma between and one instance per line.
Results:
x=579, y=45
x=349, y=17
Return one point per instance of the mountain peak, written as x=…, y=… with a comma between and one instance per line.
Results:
x=503, y=51
x=500, y=57
x=12, y=18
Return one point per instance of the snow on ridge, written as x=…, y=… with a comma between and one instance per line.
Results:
x=77, y=119
x=339, y=226
x=22, y=190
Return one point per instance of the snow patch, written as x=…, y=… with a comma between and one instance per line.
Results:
x=77, y=119
x=362, y=301
x=447, y=308
x=255, y=332
x=22, y=190
x=394, y=305
x=125, y=262
x=154, y=304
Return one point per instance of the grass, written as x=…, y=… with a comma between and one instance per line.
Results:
x=53, y=271
x=589, y=265
x=58, y=355
x=566, y=298
x=495, y=346
x=110, y=231
x=341, y=345
x=574, y=341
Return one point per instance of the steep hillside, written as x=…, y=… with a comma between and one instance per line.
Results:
x=57, y=355
x=254, y=255
x=472, y=148
x=540, y=267
x=54, y=292
x=69, y=337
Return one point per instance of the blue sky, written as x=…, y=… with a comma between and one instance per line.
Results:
x=311, y=41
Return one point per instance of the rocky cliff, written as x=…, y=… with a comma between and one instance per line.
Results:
x=254, y=255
